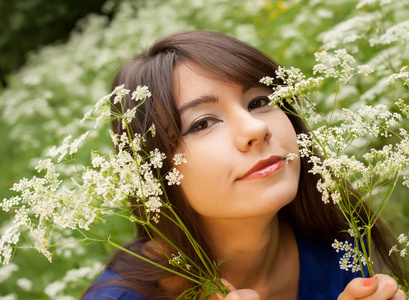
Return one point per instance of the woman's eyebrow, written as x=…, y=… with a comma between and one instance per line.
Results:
x=199, y=101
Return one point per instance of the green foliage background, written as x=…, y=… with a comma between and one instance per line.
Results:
x=48, y=95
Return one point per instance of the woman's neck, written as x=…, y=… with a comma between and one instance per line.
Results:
x=259, y=252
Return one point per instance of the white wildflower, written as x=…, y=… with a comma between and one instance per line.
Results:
x=137, y=142
x=102, y=103
x=404, y=108
x=77, y=142
x=119, y=92
x=114, y=137
x=295, y=86
x=67, y=147
x=174, y=177
x=103, y=106
x=152, y=130
x=365, y=70
x=11, y=235
x=267, y=80
x=350, y=260
x=393, y=249
x=348, y=32
x=352, y=232
x=402, y=238
x=336, y=197
x=402, y=75
x=395, y=33
x=153, y=204
x=179, y=261
x=406, y=181
x=404, y=241
x=304, y=142
x=123, y=141
x=96, y=159
x=338, y=65
x=127, y=117
x=10, y=202
x=141, y=93
x=7, y=270
x=87, y=116
x=289, y=76
x=62, y=150
x=54, y=288
x=156, y=158
x=176, y=260
x=103, y=117
x=179, y=158
x=5, y=253
x=25, y=284
x=290, y=157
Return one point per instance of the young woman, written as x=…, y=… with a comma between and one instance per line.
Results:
x=239, y=198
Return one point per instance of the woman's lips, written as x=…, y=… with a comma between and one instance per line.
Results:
x=264, y=168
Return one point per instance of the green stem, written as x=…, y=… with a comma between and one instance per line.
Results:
x=364, y=251
x=370, y=248
x=356, y=244
x=385, y=200
x=163, y=252
x=174, y=247
x=152, y=262
x=334, y=104
x=199, y=250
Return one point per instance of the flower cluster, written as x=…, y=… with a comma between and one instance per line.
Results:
x=339, y=65
x=404, y=241
x=290, y=157
x=294, y=85
x=352, y=258
x=370, y=120
x=376, y=165
x=66, y=147
x=48, y=202
x=393, y=34
x=179, y=261
x=348, y=180
x=402, y=75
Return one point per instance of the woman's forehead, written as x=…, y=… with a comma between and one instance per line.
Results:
x=190, y=72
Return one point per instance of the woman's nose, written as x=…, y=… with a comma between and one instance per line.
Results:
x=250, y=132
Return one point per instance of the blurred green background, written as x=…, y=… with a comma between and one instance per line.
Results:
x=58, y=58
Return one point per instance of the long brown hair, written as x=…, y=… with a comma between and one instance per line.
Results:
x=236, y=62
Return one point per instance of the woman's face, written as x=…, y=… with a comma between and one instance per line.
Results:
x=235, y=145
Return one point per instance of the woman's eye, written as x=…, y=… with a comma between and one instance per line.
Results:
x=258, y=102
x=201, y=124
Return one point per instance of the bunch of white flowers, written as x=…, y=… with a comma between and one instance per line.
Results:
x=403, y=239
x=102, y=189
x=294, y=85
x=352, y=258
x=339, y=65
x=328, y=148
x=402, y=75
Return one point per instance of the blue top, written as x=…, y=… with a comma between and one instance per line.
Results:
x=320, y=276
